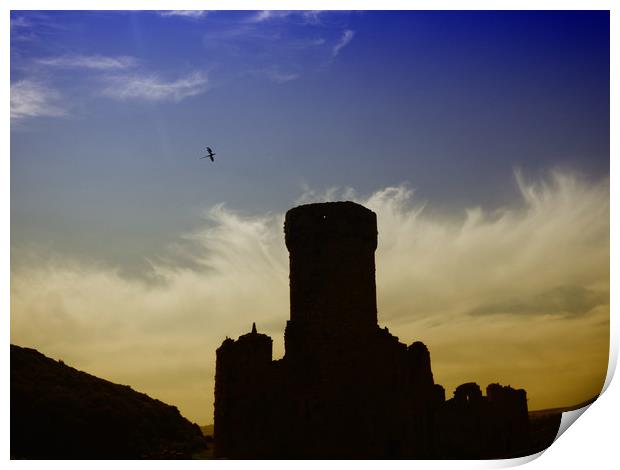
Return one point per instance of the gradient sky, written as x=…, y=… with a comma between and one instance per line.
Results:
x=481, y=139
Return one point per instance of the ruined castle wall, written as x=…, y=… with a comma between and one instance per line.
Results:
x=474, y=426
x=347, y=388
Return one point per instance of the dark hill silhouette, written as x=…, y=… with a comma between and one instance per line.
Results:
x=58, y=412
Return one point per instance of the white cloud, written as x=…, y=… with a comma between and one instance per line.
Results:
x=96, y=62
x=347, y=37
x=559, y=238
x=30, y=98
x=265, y=15
x=305, y=43
x=153, y=88
x=19, y=22
x=432, y=273
x=306, y=16
x=32, y=25
x=312, y=16
x=276, y=75
x=184, y=13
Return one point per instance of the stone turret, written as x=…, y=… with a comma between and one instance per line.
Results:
x=241, y=371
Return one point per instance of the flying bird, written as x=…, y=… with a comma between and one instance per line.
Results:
x=211, y=154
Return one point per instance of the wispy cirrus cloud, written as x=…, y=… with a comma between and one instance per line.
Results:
x=438, y=280
x=184, y=13
x=153, y=88
x=346, y=38
x=265, y=15
x=31, y=98
x=97, y=62
x=19, y=22
x=33, y=25
x=312, y=16
x=276, y=75
x=21, y=29
x=306, y=43
x=306, y=16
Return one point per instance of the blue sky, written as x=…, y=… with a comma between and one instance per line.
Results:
x=448, y=102
x=488, y=131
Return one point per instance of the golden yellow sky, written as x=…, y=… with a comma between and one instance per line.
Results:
x=518, y=295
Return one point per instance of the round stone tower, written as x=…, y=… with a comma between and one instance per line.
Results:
x=332, y=273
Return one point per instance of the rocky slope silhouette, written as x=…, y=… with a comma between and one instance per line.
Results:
x=58, y=412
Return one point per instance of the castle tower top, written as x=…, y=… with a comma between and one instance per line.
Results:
x=309, y=224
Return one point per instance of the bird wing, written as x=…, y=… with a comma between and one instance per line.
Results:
x=209, y=150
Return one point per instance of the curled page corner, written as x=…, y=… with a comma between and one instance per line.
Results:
x=569, y=417
x=516, y=462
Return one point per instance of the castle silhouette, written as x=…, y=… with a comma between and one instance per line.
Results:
x=347, y=388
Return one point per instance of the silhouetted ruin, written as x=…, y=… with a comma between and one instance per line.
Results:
x=347, y=388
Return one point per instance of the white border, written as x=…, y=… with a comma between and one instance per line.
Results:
x=591, y=442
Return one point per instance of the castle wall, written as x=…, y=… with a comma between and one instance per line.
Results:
x=474, y=426
x=347, y=388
